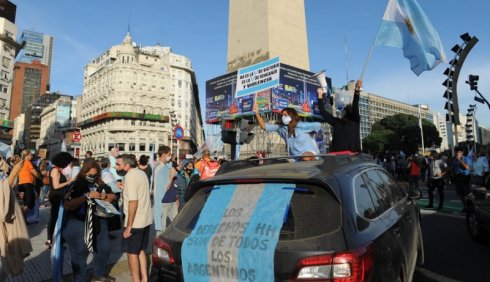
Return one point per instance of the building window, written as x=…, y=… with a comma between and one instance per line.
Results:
x=6, y=62
x=121, y=146
x=142, y=147
x=152, y=147
x=132, y=147
x=111, y=145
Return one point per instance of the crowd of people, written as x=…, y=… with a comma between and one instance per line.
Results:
x=468, y=168
x=132, y=186
x=152, y=190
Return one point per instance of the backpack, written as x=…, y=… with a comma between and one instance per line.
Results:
x=208, y=169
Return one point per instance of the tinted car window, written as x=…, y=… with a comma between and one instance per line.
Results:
x=313, y=211
x=381, y=196
x=396, y=192
x=364, y=202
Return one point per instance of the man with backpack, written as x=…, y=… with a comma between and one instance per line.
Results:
x=207, y=167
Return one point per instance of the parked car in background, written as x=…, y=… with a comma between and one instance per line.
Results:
x=348, y=219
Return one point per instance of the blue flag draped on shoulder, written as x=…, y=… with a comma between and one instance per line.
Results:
x=57, y=248
x=406, y=26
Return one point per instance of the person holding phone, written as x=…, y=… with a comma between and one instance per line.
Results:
x=27, y=180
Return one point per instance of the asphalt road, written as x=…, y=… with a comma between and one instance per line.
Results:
x=450, y=253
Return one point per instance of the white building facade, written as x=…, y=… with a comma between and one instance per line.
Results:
x=8, y=51
x=57, y=119
x=134, y=96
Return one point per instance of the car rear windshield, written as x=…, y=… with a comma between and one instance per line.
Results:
x=313, y=211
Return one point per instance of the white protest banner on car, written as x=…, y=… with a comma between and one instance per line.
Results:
x=236, y=235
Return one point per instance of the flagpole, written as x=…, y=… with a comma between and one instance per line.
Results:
x=421, y=129
x=367, y=60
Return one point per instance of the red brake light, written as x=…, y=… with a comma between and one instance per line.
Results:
x=350, y=153
x=162, y=251
x=344, y=266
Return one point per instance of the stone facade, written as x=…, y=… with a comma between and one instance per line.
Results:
x=129, y=94
x=259, y=30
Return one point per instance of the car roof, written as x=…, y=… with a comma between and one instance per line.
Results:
x=296, y=171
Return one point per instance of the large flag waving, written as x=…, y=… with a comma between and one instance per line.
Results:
x=406, y=26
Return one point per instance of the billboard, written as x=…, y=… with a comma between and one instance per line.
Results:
x=63, y=115
x=229, y=96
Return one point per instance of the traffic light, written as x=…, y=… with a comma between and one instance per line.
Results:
x=228, y=136
x=246, y=136
x=473, y=81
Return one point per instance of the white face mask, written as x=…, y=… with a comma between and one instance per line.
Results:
x=168, y=159
x=286, y=120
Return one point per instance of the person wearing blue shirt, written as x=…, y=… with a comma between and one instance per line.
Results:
x=296, y=134
x=479, y=168
x=461, y=171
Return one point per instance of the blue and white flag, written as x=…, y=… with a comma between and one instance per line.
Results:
x=406, y=26
x=57, y=247
x=236, y=234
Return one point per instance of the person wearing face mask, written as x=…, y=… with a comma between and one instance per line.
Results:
x=184, y=179
x=295, y=133
x=138, y=216
x=57, y=187
x=88, y=184
x=345, y=134
x=163, y=190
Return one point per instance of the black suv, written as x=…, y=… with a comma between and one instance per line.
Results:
x=348, y=220
x=478, y=213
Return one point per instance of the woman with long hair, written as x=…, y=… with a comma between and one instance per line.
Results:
x=295, y=133
x=57, y=186
x=87, y=185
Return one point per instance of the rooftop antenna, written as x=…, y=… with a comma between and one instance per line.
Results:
x=346, y=57
x=129, y=23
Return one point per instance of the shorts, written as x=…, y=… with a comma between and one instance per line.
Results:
x=137, y=242
x=29, y=194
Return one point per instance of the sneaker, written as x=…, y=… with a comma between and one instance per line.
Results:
x=48, y=244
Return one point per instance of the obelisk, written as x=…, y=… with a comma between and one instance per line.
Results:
x=263, y=29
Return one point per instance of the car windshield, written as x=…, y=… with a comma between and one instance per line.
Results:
x=313, y=211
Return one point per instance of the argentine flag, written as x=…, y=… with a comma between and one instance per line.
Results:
x=406, y=26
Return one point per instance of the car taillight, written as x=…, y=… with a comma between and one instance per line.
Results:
x=343, y=266
x=162, y=251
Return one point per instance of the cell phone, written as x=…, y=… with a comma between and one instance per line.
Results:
x=119, y=180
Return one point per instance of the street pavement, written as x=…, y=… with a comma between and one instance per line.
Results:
x=37, y=266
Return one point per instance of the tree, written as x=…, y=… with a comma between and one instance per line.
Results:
x=405, y=134
x=380, y=141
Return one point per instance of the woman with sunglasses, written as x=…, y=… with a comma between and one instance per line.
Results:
x=88, y=185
